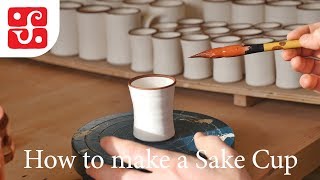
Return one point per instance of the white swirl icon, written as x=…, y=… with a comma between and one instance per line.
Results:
x=29, y=27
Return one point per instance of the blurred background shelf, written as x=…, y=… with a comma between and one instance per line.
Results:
x=244, y=95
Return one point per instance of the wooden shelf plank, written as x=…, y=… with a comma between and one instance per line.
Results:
x=239, y=88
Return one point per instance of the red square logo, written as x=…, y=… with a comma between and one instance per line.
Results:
x=27, y=28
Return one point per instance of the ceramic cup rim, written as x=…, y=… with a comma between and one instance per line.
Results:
x=301, y=6
x=275, y=3
x=216, y=1
x=239, y=24
x=255, y=3
x=110, y=11
x=190, y=21
x=174, y=81
x=70, y=2
x=155, y=4
x=268, y=40
x=270, y=33
x=289, y=25
x=134, y=32
x=217, y=39
x=188, y=37
x=83, y=8
x=260, y=25
x=135, y=2
x=228, y=30
x=253, y=34
x=207, y=24
x=156, y=35
x=189, y=29
x=165, y=25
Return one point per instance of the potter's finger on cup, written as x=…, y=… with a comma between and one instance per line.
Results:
x=310, y=81
x=212, y=146
x=306, y=65
x=311, y=41
x=291, y=53
x=307, y=29
x=105, y=172
x=129, y=149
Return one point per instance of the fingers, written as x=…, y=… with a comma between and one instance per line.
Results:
x=307, y=29
x=310, y=81
x=311, y=41
x=135, y=152
x=291, y=53
x=305, y=65
x=213, y=146
x=117, y=174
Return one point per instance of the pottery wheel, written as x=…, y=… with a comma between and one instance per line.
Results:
x=87, y=138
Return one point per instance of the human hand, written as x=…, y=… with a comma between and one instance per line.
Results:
x=309, y=37
x=124, y=148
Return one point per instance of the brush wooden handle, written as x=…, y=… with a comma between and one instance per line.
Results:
x=281, y=45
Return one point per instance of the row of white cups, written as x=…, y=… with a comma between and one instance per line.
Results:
x=98, y=32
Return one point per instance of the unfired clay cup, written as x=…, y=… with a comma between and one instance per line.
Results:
x=190, y=30
x=308, y=13
x=119, y=22
x=190, y=22
x=196, y=68
x=248, y=33
x=67, y=43
x=293, y=26
x=166, y=27
x=167, y=53
x=217, y=10
x=227, y=70
x=143, y=5
x=213, y=24
x=239, y=26
x=141, y=49
x=268, y=26
x=91, y=28
x=217, y=31
x=193, y=8
x=260, y=67
x=152, y=98
x=111, y=3
x=248, y=11
x=284, y=12
x=286, y=77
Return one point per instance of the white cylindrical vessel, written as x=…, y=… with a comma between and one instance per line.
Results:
x=84, y=2
x=284, y=12
x=166, y=27
x=260, y=67
x=152, y=99
x=91, y=30
x=119, y=22
x=167, y=53
x=248, y=33
x=308, y=13
x=286, y=77
x=196, y=68
x=190, y=22
x=293, y=26
x=213, y=24
x=111, y=3
x=193, y=8
x=67, y=43
x=227, y=70
x=143, y=5
x=141, y=49
x=239, y=26
x=268, y=26
x=248, y=11
x=217, y=31
x=217, y=10
x=190, y=30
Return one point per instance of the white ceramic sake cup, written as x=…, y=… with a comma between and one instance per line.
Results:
x=217, y=31
x=239, y=26
x=213, y=24
x=91, y=31
x=166, y=27
x=141, y=49
x=111, y=3
x=227, y=70
x=167, y=53
x=119, y=22
x=308, y=13
x=248, y=33
x=260, y=67
x=67, y=42
x=196, y=68
x=84, y=2
x=190, y=30
x=293, y=26
x=190, y=22
x=143, y=5
x=268, y=26
x=165, y=11
x=284, y=12
x=286, y=77
x=217, y=10
x=153, y=100
x=248, y=11
x=193, y=8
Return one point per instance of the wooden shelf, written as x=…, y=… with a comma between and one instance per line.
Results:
x=244, y=95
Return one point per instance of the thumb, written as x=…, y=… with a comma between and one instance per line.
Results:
x=311, y=41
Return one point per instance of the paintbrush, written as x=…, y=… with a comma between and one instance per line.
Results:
x=243, y=49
